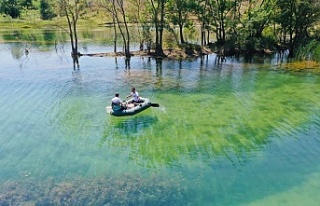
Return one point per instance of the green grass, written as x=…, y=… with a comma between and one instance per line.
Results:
x=31, y=20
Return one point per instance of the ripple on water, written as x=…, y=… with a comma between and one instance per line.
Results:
x=51, y=119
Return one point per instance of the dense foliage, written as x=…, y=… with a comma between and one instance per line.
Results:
x=11, y=8
x=46, y=11
x=236, y=26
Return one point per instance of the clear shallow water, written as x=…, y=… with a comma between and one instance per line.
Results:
x=225, y=134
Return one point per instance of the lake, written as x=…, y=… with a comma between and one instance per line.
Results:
x=226, y=133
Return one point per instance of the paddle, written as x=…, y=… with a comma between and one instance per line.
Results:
x=154, y=105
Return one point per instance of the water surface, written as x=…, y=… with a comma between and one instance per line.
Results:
x=230, y=133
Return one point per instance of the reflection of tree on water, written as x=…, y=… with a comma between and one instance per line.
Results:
x=77, y=77
x=219, y=59
x=159, y=66
x=17, y=50
x=26, y=58
x=159, y=82
x=49, y=37
x=127, y=62
x=75, y=59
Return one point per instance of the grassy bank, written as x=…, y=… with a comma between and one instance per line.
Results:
x=31, y=20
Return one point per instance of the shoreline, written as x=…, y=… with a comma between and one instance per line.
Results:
x=183, y=53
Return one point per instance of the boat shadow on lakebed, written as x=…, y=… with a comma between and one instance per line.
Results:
x=127, y=127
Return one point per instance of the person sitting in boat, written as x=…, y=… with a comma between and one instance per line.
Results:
x=116, y=103
x=136, y=99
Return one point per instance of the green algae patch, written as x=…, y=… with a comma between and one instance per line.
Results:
x=301, y=66
x=219, y=119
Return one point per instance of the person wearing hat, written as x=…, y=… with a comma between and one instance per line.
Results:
x=116, y=103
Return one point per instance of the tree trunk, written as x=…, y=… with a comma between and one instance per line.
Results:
x=159, y=49
x=127, y=34
x=115, y=34
x=181, y=28
x=203, y=34
x=159, y=23
x=181, y=33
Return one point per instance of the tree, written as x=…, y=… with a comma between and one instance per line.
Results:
x=202, y=11
x=11, y=8
x=72, y=10
x=142, y=25
x=178, y=13
x=26, y=3
x=118, y=13
x=158, y=17
x=46, y=11
x=295, y=18
x=257, y=17
x=220, y=11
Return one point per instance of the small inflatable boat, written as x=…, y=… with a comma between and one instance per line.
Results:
x=138, y=107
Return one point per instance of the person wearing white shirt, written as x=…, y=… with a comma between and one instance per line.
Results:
x=135, y=95
x=116, y=103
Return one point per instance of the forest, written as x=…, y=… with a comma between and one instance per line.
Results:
x=230, y=27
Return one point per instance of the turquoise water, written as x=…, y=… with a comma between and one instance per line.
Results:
x=230, y=133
